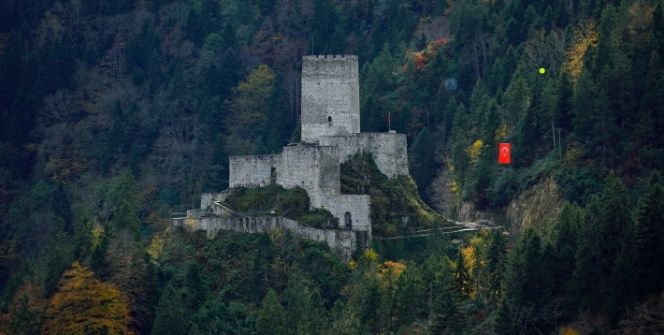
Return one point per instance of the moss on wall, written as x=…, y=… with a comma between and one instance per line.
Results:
x=276, y=200
x=396, y=207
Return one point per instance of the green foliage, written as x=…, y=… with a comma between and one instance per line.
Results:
x=171, y=316
x=649, y=234
x=181, y=86
x=422, y=166
x=288, y=202
x=271, y=316
x=409, y=294
x=276, y=200
x=392, y=200
x=446, y=313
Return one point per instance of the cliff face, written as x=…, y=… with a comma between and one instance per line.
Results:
x=536, y=207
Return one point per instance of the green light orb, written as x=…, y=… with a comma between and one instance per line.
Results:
x=542, y=70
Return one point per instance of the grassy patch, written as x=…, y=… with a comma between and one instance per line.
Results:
x=396, y=207
x=276, y=200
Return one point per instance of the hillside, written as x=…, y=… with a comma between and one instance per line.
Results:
x=116, y=114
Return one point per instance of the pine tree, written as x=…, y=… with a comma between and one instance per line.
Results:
x=422, y=165
x=446, y=315
x=565, y=242
x=171, y=317
x=409, y=295
x=461, y=276
x=122, y=199
x=613, y=221
x=587, y=273
x=271, y=317
x=650, y=238
x=495, y=266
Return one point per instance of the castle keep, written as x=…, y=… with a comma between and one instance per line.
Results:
x=330, y=135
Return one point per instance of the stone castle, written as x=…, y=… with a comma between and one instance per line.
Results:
x=330, y=135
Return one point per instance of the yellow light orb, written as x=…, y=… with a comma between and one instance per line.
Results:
x=542, y=70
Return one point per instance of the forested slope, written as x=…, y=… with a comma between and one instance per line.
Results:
x=114, y=114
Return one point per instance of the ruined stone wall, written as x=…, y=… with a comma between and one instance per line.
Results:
x=252, y=171
x=357, y=205
x=342, y=242
x=330, y=96
x=207, y=199
x=389, y=150
x=314, y=168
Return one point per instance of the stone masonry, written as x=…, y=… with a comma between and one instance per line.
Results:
x=330, y=135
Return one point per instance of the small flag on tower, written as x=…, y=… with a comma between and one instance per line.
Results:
x=504, y=153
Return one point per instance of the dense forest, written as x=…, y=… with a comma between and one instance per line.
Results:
x=114, y=114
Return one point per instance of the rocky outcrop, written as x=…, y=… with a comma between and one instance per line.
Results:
x=536, y=207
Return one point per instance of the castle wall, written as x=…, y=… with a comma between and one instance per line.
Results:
x=207, y=199
x=252, y=171
x=314, y=168
x=358, y=205
x=389, y=150
x=330, y=97
x=343, y=242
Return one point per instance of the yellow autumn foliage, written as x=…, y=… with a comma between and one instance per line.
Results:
x=97, y=235
x=86, y=305
x=585, y=37
x=475, y=149
x=156, y=249
x=469, y=257
x=370, y=255
x=501, y=132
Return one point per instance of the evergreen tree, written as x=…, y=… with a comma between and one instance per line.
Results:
x=495, y=265
x=613, y=221
x=565, y=243
x=409, y=295
x=422, y=165
x=170, y=316
x=587, y=273
x=446, y=315
x=122, y=200
x=650, y=238
x=271, y=317
x=461, y=276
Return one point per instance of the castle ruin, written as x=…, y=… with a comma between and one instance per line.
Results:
x=330, y=135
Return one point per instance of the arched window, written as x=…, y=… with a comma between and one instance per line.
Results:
x=273, y=175
x=348, y=221
x=329, y=121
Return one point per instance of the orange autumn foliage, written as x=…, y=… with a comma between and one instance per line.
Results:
x=86, y=305
x=421, y=58
x=390, y=270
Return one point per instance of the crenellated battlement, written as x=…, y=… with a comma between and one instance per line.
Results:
x=330, y=96
x=327, y=58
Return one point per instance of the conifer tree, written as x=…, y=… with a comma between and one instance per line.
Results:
x=446, y=315
x=565, y=243
x=409, y=295
x=495, y=266
x=422, y=165
x=271, y=317
x=461, y=275
x=650, y=237
x=171, y=317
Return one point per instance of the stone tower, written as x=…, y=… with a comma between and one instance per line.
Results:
x=330, y=97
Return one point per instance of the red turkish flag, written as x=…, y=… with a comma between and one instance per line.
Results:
x=504, y=153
